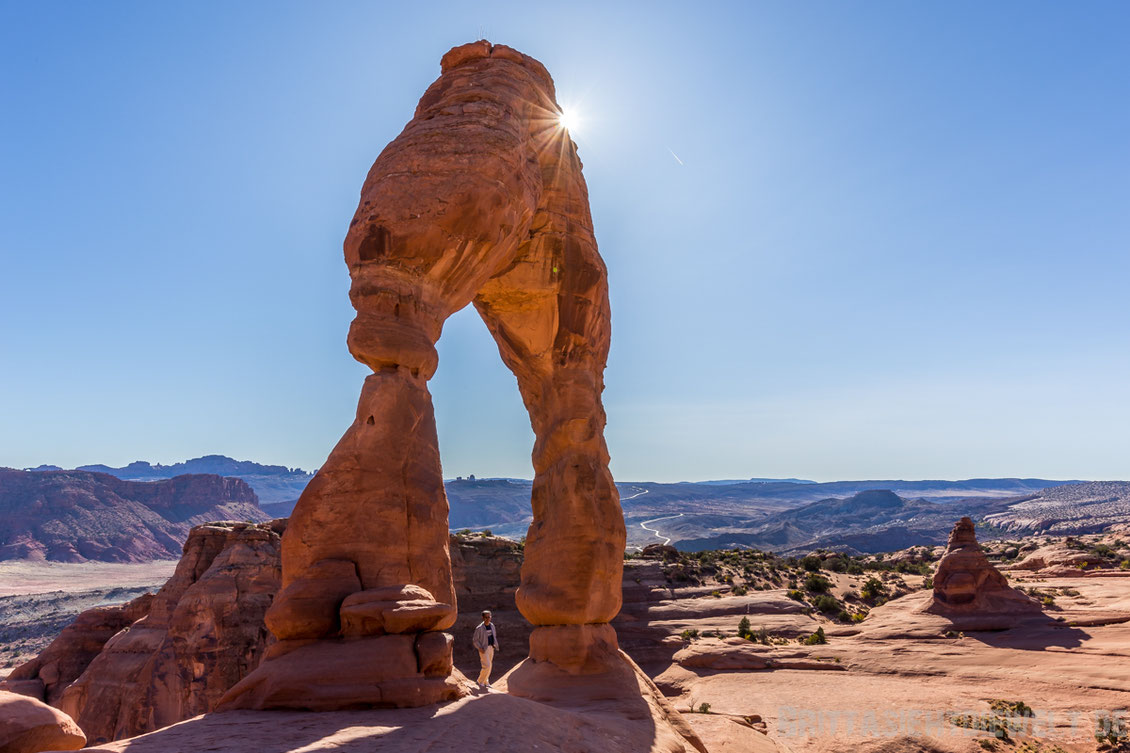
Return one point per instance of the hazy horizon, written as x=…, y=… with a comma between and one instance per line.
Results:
x=492, y=477
x=881, y=241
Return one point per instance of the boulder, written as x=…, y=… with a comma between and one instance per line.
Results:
x=31, y=726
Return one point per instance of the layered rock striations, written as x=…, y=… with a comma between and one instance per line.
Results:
x=965, y=582
x=75, y=516
x=479, y=200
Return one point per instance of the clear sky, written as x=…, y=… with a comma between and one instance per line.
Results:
x=844, y=240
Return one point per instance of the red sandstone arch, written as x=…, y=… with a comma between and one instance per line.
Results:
x=480, y=199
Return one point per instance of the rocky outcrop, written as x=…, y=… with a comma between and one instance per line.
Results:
x=75, y=516
x=487, y=571
x=202, y=632
x=741, y=654
x=966, y=583
x=31, y=726
x=46, y=676
x=479, y=200
x=1059, y=557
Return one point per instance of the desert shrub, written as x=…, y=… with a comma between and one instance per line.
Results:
x=873, y=589
x=704, y=708
x=816, y=638
x=836, y=564
x=1111, y=730
x=744, y=630
x=997, y=726
x=1011, y=708
x=854, y=568
x=928, y=582
x=486, y=532
x=827, y=604
x=816, y=583
x=1125, y=565
x=811, y=563
x=796, y=595
x=739, y=590
x=689, y=634
x=716, y=594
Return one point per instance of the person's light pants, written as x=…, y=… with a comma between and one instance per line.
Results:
x=486, y=658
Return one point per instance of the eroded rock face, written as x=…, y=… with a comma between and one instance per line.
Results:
x=479, y=200
x=203, y=632
x=46, y=676
x=30, y=726
x=966, y=582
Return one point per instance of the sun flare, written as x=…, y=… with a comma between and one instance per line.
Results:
x=568, y=120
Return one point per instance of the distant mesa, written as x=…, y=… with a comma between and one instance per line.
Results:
x=273, y=484
x=75, y=516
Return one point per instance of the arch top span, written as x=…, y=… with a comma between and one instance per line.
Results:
x=481, y=200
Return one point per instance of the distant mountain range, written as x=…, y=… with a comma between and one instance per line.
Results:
x=74, y=516
x=274, y=484
x=783, y=515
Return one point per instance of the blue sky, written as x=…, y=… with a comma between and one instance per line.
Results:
x=894, y=243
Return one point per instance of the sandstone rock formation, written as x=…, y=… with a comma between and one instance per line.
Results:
x=965, y=582
x=46, y=676
x=487, y=573
x=30, y=726
x=174, y=654
x=479, y=200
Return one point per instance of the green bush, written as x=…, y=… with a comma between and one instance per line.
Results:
x=816, y=638
x=873, y=589
x=816, y=583
x=827, y=604
x=744, y=630
x=689, y=634
x=836, y=564
x=796, y=595
x=811, y=563
x=739, y=590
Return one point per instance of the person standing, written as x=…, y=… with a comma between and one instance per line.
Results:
x=486, y=642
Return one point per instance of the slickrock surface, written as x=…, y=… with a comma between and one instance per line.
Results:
x=480, y=199
x=31, y=726
x=484, y=722
x=199, y=635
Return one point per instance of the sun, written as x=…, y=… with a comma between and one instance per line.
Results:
x=568, y=120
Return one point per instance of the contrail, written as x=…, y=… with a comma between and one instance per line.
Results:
x=675, y=156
